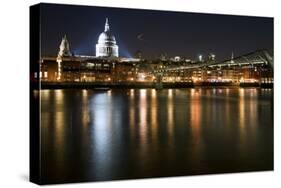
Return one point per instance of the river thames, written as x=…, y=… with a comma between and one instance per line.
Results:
x=89, y=135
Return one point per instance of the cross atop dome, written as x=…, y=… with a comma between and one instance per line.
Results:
x=106, y=27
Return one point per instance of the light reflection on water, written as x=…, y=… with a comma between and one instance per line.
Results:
x=142, y=123
x=89, y=135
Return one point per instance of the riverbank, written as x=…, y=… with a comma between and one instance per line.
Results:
x=141, y=85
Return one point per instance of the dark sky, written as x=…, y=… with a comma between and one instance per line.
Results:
x=154, y=32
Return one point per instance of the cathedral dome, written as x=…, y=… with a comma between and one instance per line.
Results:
x=106, y=46
x=106, y=38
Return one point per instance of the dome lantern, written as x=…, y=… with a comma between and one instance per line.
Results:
x=106, y=27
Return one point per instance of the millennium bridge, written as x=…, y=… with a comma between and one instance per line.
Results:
x=257, y=58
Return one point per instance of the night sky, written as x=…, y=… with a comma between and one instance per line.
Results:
x=154, y=32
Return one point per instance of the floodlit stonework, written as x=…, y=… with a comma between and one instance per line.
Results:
x=106, y=46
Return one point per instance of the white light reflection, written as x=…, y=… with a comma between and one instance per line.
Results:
x=132, y=93
x=132, y=115
x=143, y=120
x=195, y=110
x=109, y=92
x=59, y=96
x=192, y=92
x=253, y=108
x=170, y=110
x=101, y=114
x=85, y=109
x=153, y=93
x=154, y=123
x=84, y=93
x=195, y=126
x=143, y=93
x=59, y=125
x=45, y=93
x=170, y=93
x=227, y=91
x=241, y=109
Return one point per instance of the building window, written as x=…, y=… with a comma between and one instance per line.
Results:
x=46, y=74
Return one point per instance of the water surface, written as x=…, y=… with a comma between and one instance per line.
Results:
x=89, y=135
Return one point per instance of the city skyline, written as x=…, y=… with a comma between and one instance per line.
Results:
x=150, y=31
